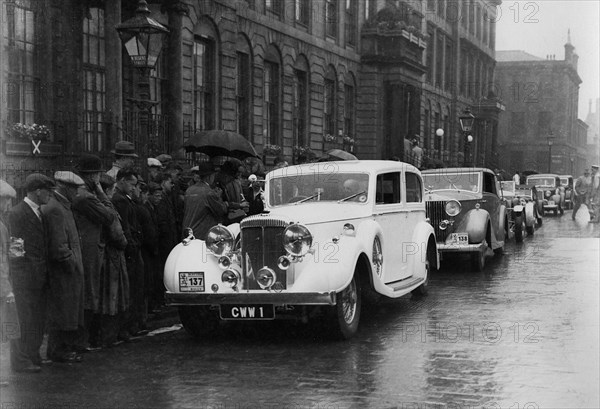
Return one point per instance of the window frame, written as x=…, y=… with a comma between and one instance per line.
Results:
x=395, y=177
x=418, y=187
x=204, y=96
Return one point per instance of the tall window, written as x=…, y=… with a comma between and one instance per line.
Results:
x=300, y=108
x=274, y=7
x=430, y=54
x=302, y=12
x=351, y=23
x=243, y=94
x=472, y=17
x=94, y=80
x=349, y=108
x=439, y=61
x=272, y=92
x=426, y=128
x=370, y=8
x=204, y=83
x=19, y=34
x=329, y=102
x=331, y=18
x=441, y=8
x=158, y=80
x=449, y=74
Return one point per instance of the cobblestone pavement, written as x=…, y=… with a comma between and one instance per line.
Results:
x=522, y=334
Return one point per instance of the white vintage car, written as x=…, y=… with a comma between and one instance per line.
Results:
x=333, y=235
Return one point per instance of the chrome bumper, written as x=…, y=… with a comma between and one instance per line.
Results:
x=252, y=298
x=465, y=248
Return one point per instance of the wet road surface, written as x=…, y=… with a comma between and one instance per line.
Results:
x=524, y=333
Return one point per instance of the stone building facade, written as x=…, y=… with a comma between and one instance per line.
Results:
x=540, y=130
x=289, y=75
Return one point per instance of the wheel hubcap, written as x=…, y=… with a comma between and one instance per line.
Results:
x=349, y=299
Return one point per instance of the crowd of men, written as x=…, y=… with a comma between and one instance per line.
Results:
x=83, y=252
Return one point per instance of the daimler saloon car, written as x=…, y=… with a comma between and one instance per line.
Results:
x=553, y=194
x=464, y=205
x=522, y=208
x=333, y=235
x=566, y=182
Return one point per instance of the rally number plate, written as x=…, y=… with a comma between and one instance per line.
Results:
x=459, y=238
x=247, y=312
x=551, y=202
x=191, y=282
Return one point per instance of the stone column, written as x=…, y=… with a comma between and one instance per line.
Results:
x=114, y=72
x=176, y=13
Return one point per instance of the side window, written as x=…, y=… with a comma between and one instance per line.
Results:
x=388, y=188
x=414, y=191
x=489, y=185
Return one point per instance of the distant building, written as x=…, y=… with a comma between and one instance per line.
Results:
x=541, y=98
x=287, y=74
x=593, y=139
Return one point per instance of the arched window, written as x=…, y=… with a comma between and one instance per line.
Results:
x=205, y=75
x=329, y=102
x=272, y=96
x=300, y=101
x=243, y=89
x=349, y=106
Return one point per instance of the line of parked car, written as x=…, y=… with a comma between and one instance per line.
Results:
x=336, y=234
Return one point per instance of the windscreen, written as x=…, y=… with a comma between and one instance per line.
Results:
x=541, y=181
x=452, y=181
x=313, y=187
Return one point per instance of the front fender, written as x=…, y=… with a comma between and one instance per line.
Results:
x=530, y=215
x=421, y=237
x=475, y=224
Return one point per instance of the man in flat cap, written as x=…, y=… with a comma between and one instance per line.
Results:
x=154, y=168
x=93, y=213
x=65, y=269
x=30, y=272
x=124, y=157
x=204, y=207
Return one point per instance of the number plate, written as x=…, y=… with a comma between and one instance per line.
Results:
x=191, y=282
x=247, y=312
x=459, y=238
x=551, y=202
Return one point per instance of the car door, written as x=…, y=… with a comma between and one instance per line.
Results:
x=390, y=214
x=491, y=202
x=414, y=206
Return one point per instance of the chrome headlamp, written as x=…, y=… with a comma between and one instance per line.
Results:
x=297, y=240
x=453, y=207
x=547, y=193
x=231, y=278
x=266, y=277
x=219, y=240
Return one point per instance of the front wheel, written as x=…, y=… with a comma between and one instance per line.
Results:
x=345, y=315
x=519, y=228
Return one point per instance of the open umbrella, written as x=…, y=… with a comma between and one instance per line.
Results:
x=339, y=154
x=216, y=142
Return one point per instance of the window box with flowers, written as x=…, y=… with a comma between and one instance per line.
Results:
x=271, y=153
x=304, y=154
x=24, y=139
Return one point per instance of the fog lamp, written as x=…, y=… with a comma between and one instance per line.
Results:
x=284, y=262
x=219, y=240
x=266, y=277
x=231, y=278
x=224, y=262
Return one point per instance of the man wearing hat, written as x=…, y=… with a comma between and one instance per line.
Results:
x=124, y=157
x=203, y=206
x=30, y=273
x=92, y=211
x=9, y=323
x=154, y=167
x=581, y=190
x=65, y=269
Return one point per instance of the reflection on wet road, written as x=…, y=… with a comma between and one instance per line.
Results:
x=522, y=334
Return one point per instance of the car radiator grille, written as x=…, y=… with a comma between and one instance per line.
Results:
x=436, y=212
x=262, y=245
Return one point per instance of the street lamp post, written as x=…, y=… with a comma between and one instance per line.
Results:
x=466, y=121
x=143, y=38
x=550, y=143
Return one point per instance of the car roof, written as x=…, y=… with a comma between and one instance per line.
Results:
x=456, y=170
x=347, y=166
x=565, y=176
x=544, y=175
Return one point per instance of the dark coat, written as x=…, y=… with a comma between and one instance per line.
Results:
x=168, y=230
x=65, y=264
x=115, y=282
x=204, y=209
x=31, y=270
x=92, y=215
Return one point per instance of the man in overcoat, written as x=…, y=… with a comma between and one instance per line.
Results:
x=65, y=269
x=125, y=157
x=29, y=274
x=92, y=211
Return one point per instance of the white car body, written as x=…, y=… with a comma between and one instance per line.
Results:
x=343, y=254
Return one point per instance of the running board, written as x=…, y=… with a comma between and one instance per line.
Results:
x=404, y=284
